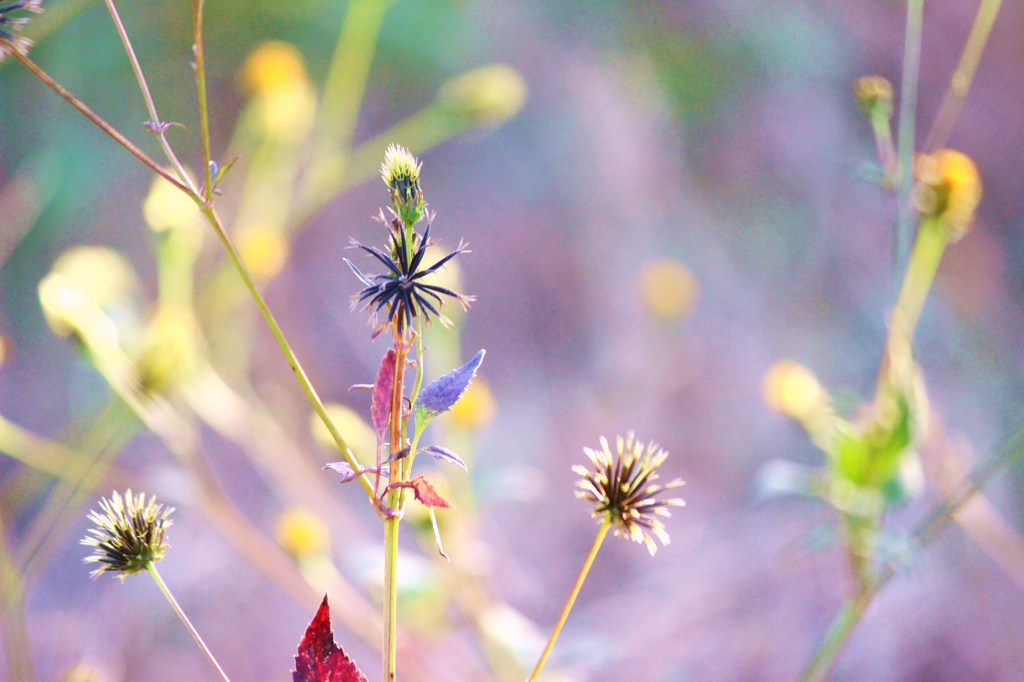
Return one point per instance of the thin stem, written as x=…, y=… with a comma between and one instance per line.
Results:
x=395, y=501
x=17, y=645
x=184, y=619
x=908, y=111
x=204, y=107
x=963, y=76
x=286, y=349
x=147, y=95
x=84, y=109
x=587, y=563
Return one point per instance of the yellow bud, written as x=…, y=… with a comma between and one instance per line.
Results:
x=264, y=250
x=485, y=97
x=949, y=189
x=83, y=672
x=284, y=104
x=874, y=96
x=302, y=533
x=793, y=390
x=668, y=289
x=476, y=408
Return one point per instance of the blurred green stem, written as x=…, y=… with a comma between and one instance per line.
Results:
x=17, y=646
x=184, y=619
x=905, y=135
x=926, y=532
x=587, y=563
x=963, y=76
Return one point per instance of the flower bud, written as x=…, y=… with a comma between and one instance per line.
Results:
x=401, y=173
x=484, y=97
x=874, y=96
x=949, y=190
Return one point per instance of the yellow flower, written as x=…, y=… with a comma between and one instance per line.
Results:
x=476, y=408
x=793, y=390
x=264, y=250
x=485, y=97
x=283, y=100
x=949, y=189
x=668, y=289
x=272, y=66
x=302, y=533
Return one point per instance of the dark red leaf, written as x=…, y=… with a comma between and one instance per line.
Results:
x=321, y=660
x=380, y=408
x=424, y=492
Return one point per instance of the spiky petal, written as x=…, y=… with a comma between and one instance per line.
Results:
x=622, y=488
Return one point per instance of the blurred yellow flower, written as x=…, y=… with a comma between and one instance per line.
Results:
x=302, y=533
x=949, y=189
x=476, y=408
x=667, y=288
x=83, y=672
x=486, y=97
x=357, y=433
x=168, y=208
x=264, y=250
x=274, y=65
x=793, y=390
x=874, y=96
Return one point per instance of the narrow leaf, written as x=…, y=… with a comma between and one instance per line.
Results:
x=445, y=455
x=439, y=395
x=319, y=658
x=349, y=474
x=380, y=408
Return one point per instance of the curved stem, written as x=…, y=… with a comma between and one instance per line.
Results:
x=587, y=563
x=184, y=619
x=84, y=109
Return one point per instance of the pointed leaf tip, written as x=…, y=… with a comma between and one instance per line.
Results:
x=439, y=395
x=445, y=455
x=319, y=658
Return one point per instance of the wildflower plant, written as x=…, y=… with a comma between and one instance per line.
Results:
x=622, y=489
x=128, y=538
x=409, y=303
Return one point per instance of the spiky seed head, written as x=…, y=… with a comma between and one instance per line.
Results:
x=622, y=488
x=129, y=534
x=10, y=25
x=949, y=189
x=401, y=173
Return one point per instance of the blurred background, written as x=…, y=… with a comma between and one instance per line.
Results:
x=662, y=200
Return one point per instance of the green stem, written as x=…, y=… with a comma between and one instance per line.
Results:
x=204, y=107
x=286, y=349
x=587, y=563
x=140, y=77
x=924, y=262
x=908, y=111
x=184, y=619
x=84, y=109
x=389, y=651
x=960, y=81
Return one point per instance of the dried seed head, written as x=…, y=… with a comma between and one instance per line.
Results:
x=129, y=534
x=10, y=25
x=622, y=487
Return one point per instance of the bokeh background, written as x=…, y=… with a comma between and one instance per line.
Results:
x=719, y=134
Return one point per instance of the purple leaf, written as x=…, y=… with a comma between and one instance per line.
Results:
x=380, y=408
x=444, y=454
x=319, y=658
x=439, y=396
x=349, y=474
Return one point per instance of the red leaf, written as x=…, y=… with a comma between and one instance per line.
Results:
x=424, y=492
x=321, y=660
x=380, y=408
